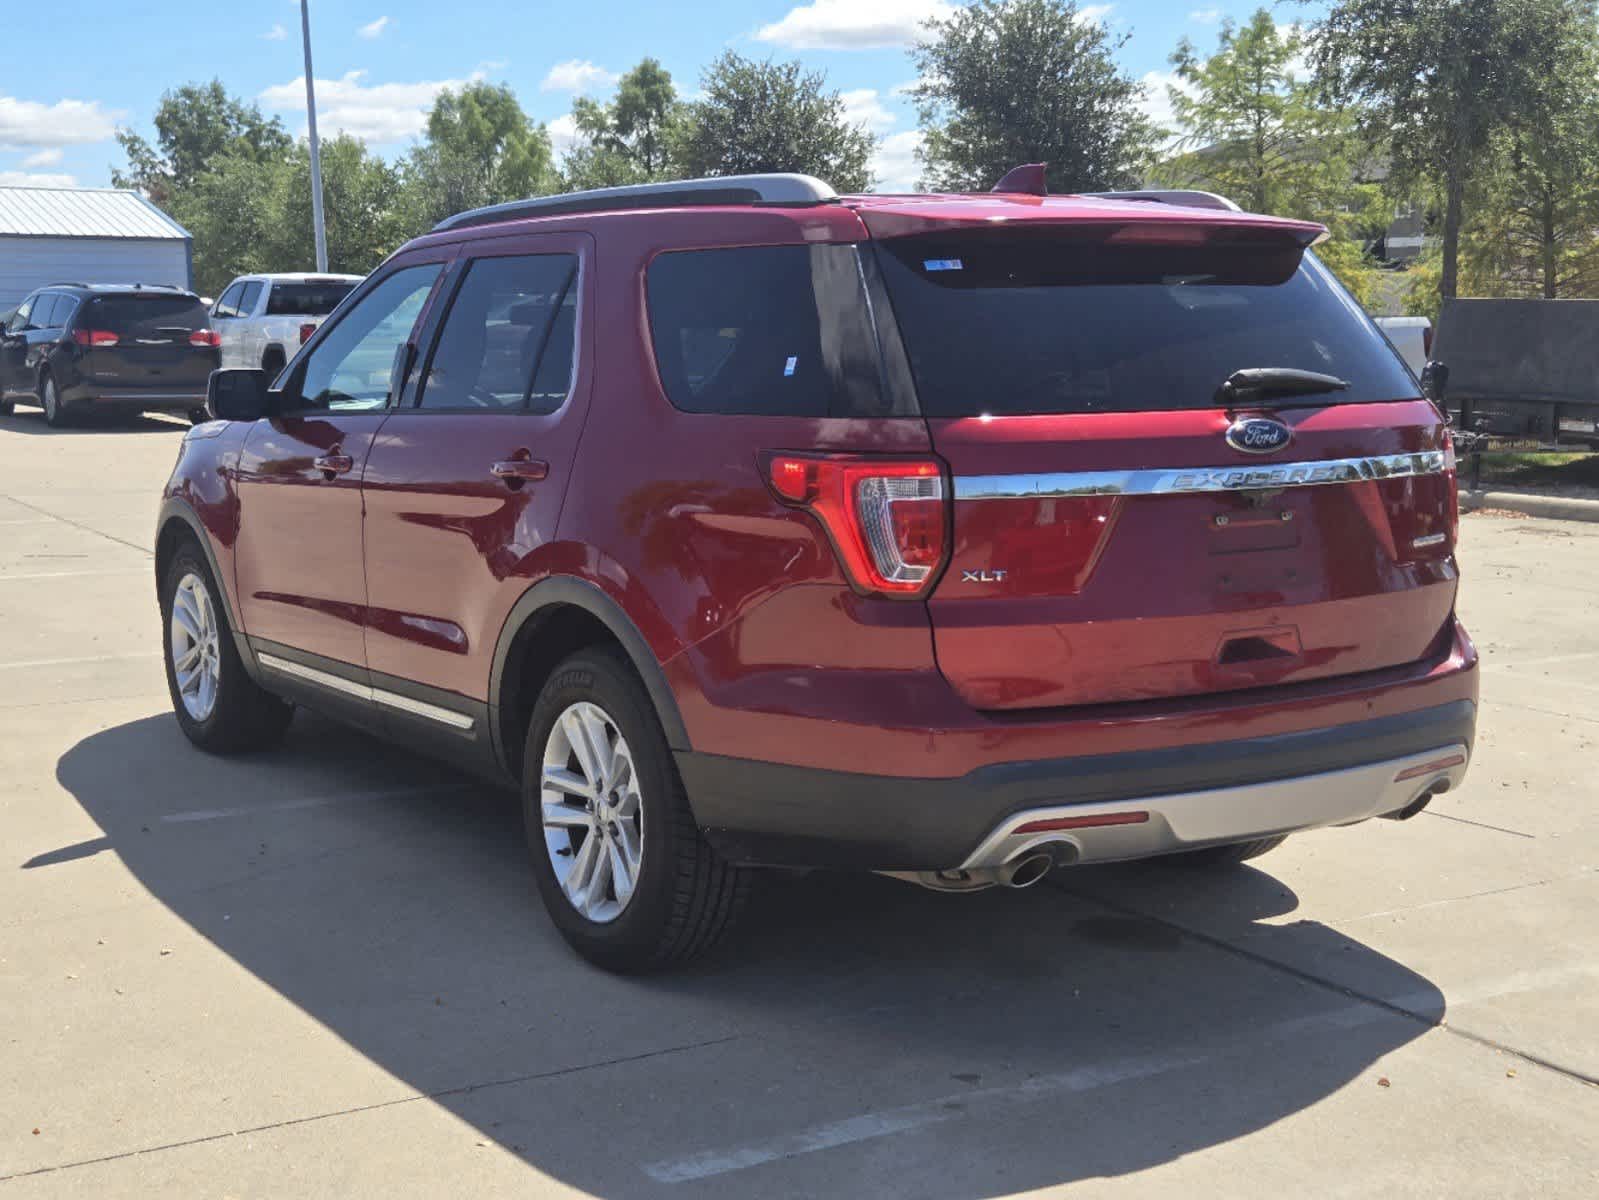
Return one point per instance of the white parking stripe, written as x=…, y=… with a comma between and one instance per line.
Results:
x=105, y=572
x=73, y=662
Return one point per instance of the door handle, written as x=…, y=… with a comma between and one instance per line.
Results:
x=514, y=472
x=332, y=465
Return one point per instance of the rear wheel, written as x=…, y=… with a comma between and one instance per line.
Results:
x=1226, y=856
x=55, y=412
x=220, y=708
x=627, y=877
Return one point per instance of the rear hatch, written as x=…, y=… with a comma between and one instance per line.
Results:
x=1124, y=528
x=153, y=340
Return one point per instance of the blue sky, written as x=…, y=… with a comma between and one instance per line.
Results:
x=379, y=63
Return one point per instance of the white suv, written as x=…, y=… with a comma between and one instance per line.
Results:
x=263, y=319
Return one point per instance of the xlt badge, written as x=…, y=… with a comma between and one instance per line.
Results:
x=983, y=576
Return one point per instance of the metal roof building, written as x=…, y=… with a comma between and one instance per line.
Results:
x=86, y=235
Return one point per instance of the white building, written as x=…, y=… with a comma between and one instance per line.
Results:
x=86, y=235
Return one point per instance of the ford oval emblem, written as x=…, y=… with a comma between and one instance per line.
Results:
x=1258, y=435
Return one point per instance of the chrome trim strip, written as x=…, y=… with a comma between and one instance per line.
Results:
x=1196, y=480
x=1186, y=820
x=360, y=691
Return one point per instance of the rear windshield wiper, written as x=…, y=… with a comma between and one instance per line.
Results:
x=1254, y=384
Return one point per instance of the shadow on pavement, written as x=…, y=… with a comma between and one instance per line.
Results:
x=393, y=905
x=31, y=421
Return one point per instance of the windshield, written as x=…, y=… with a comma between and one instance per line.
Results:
x=1058, y=322
x=312, y=299
x=147, y=315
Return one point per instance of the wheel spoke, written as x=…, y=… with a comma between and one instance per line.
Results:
x=621, y=773
x=621, y=872
x=598, y=738
x=184, y=620
x=599, y=881
x=577, y=737
x=583, y=862
x=567, y=782
x=627, y=806
x=564, y=816
x=190, y=657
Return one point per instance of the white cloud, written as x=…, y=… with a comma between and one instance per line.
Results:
x=854, y=24
x=380, y=113
x=27, y=179
x=64, y=123
x=1157, y=103
x=276, y=34
x=1206, y=16
x=863, y=107
x=1094, y=14
x=577, y=75
x=894, y=166
x=373, y=29
x=43, y=158
x=563, y=135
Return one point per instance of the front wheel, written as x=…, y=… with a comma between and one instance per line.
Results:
x=220, y=708
x=622, y=867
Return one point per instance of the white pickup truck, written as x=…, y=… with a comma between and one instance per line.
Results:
x=263, y=319
x=1412, y=337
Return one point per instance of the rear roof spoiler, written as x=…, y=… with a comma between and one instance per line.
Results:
x=1178, y=196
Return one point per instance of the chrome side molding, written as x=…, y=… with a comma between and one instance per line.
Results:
x=1191, y=480
x=348, y=687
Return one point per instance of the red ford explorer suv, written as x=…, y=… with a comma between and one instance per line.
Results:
x=741, y=524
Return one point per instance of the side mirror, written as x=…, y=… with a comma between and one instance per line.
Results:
x=238, y=394
x=1435, y=382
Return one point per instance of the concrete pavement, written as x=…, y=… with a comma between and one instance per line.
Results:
x=323, y=972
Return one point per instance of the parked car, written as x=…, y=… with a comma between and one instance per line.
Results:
x=1412, y=337
x=264, y=319
x=76, y=348
x=740, y=524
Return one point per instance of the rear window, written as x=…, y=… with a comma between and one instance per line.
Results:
x=147, y=315
x=765, y=330
x=1066, y=323
x=306, y=299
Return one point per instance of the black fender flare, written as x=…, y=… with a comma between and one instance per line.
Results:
x=569, y=590
x=174, y=508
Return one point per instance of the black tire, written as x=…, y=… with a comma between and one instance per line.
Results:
x=686, y=897
x=1226, y=856
x=273, y=362
x=56, y=414
x=198, y=416
x=244, y=716
x=7, y=407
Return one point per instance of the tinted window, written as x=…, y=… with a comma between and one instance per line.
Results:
x=152, y=315
x=315, y=299
x=352, y=367
x=20, y=318
x=44, y=311
x=228, y=306
x=252, y=293
x=66, y=308
x=508, y=339
x=1071, y=323
x=768, y=330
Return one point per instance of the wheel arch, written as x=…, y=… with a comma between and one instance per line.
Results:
x=552, y=619
x=179, y=523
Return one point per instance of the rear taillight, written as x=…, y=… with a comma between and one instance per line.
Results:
x=205, y=337
x=888, y=518
x=306, y=331
x=95, y=337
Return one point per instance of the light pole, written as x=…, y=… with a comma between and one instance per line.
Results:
x=316, y=146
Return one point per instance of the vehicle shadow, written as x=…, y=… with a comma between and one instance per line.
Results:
x=31, y=421
x=389, y=899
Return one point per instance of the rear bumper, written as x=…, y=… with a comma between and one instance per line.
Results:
x=175, y=399
x=1221, y=791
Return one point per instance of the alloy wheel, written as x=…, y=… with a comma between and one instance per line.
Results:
x=196, y=646
x=591, y=811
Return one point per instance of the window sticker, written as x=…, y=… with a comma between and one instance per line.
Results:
x=790, y=365
x=942, y=264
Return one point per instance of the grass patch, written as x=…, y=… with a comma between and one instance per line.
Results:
x=1527, y=469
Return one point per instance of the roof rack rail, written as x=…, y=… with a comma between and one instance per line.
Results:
x=774, y=191
x=66, y=283
x=1183, y=198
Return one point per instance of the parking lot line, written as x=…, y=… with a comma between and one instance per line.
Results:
x=103, y=572
x=76, y=662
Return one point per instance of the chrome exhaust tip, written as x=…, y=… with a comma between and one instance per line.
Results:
x=1423, y=798
x=1026, y=869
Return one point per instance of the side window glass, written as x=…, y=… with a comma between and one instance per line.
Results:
x=351, y=369
x=246, y=302
x=44, y=311
x=66, y=308
x=507, y=340
x=20, y=319
x=228, y=306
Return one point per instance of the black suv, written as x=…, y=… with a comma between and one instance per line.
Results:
x=72, y=348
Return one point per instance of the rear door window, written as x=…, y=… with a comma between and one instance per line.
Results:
x=149, y=317
x=44, y=312
x=1055, y=322
x=766, y=331
x=309, y=299
x=507, y=341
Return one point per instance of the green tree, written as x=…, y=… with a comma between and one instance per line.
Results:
x=481, y=148
x=628, y=140
x=227, y=211
x=771, y=116
x=196, y=126
x=360, y=195
x=1440, y=81
x=1005, y=82
x=1250, y=128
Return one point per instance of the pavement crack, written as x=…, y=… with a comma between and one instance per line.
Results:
x=1479, y=824
x=354, y=1110
x=110, y=537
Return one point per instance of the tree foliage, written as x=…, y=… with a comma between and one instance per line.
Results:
x=196, y=126
x=631, y=138
x=1005, y=82
x=772, y=116
x=1440, y=81
x=480, y=149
